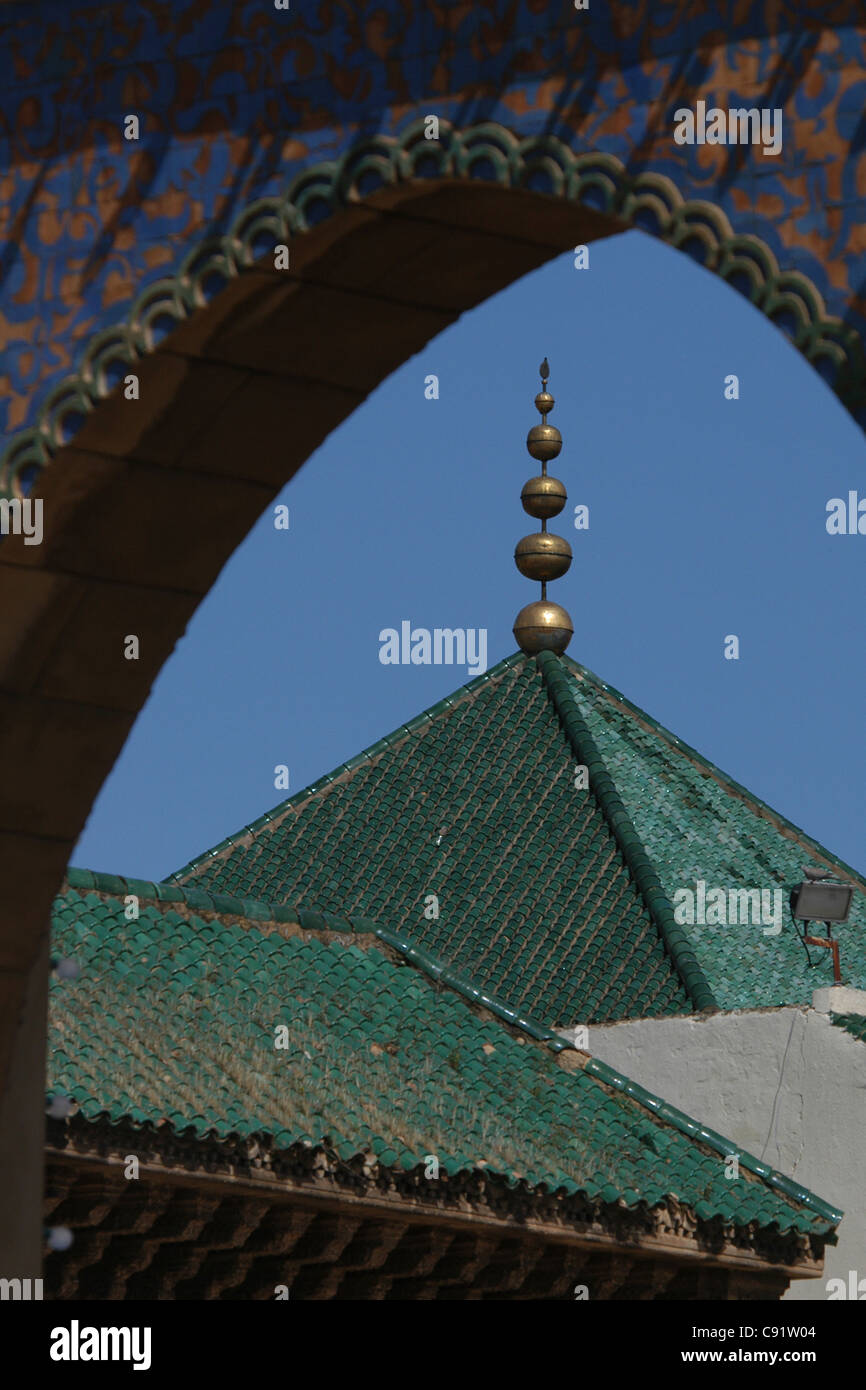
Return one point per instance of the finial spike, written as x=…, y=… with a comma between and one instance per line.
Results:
x=543, y=626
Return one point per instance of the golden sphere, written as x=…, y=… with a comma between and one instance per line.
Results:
x=543, y=627
x=544, y=403
x=542, y=556
x=543, y=497
x=544, y=442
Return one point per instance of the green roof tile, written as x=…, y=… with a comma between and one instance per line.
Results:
x=474, y=801
x=381, y=1059
x=559, y=900
x=555, y=908
x=696, y=823
x=855, y=1024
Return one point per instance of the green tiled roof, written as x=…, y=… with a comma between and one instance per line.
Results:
x=172, y=1021
x=556, y=899
x=696, y=823
x=539, y=887
x=855, y=1024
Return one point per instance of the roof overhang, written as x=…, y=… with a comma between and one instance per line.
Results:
x=324, y=1223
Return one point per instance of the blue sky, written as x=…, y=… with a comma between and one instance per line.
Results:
x=707, y=517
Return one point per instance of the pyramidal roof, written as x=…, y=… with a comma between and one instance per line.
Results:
x=471, y=831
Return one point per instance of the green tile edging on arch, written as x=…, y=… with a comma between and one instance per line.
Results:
x=390, y=161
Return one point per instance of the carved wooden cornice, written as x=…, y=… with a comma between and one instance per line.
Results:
x=317, y=1179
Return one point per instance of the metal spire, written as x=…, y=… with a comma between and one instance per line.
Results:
x=543, y=626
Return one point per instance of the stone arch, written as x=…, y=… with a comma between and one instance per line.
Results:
x=384, y=173
x=389, y=244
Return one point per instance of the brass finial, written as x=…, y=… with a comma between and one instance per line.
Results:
x=544, y=441
x=543, y=626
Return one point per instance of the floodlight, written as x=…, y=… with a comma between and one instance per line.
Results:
x=822, y=900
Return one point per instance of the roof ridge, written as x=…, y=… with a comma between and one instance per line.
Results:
x=258, y=910
x=729, y=782
x=255, y=909
x=610, y=802
x=365, y=755
x=683, y=1122
x=441, y=973
x=678, y=1119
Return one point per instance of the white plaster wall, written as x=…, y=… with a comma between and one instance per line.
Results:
x=783, y=1084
